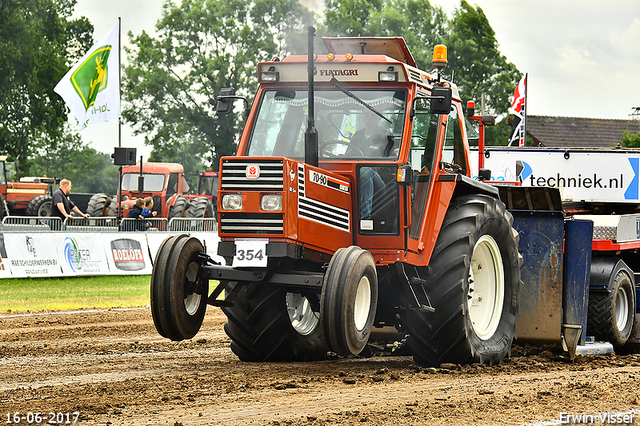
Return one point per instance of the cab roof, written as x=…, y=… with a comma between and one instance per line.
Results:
x=393, y=47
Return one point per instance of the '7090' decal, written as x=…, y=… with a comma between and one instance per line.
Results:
x=330, y=182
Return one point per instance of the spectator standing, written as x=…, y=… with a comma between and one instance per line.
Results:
x=62, y=206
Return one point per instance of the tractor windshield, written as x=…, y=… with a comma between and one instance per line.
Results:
x=152, y=182
x=347, y=129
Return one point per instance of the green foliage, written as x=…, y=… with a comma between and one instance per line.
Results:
x=630, y=140
x=89, y=170
x=173, y=80
x=37, y=42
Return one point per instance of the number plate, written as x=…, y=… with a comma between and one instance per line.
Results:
x=250, y=253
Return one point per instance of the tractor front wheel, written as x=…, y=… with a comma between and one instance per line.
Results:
x=349, y=300
x=178, y=296
x=474, y=283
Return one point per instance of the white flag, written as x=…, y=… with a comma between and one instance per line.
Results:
x=91, y=88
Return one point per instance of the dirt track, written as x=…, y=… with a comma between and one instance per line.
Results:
x=113, y=368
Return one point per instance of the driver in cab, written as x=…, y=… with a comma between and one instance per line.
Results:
x=372, y=140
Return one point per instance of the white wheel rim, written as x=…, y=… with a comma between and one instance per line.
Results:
x=302, y=317
x=621, y=309
x=192, y=301
x=486, y=287
x=362, y=304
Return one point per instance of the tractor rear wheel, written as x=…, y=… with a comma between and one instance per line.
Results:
x=101, y=205
x=39, y=206
x=474, y=285
x=4, y=209
x=178, y=296
x=268, y=324
x=611, y=314
x=201, y=207
x=180, y=208
x=349, y=300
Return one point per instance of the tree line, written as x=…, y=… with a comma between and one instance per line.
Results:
x=171, y=79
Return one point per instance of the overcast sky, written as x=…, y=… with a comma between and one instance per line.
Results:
x=582, y=56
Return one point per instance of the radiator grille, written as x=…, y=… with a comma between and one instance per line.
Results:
x=234, y=176
x=251, y=223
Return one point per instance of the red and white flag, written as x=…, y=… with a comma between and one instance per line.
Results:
x=518, y=107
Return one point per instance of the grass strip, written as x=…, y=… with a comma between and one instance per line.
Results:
x=67, y=293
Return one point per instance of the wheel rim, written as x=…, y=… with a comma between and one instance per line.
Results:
x=621, y=309
x=45, y=210
x=191, y=299
x=486, y=287
x=302, y=317
x=362, y=304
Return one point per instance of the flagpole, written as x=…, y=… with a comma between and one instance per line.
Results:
x=524, y=110
x=119, y=83
x=118, y=192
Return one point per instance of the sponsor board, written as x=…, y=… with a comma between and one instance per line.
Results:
x=129, y=254
x=581, y=175
x=5, y=264
x=32, y=255
x=82, y=254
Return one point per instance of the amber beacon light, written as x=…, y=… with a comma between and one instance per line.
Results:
x=439, y=60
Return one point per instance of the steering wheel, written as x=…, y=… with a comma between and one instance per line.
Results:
x=327, y=152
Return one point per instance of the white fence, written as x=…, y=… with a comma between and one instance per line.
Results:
x=95, y=246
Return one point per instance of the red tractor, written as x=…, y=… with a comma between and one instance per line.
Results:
x=23, y=198
x=349, y=205
x=165, y=182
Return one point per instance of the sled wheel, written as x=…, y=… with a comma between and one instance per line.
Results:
x=180, y=208
x=39, y=206
x=473, y=283
x=611, y=314
x=268, y=324
x=181, y=297
x=348, y=301
x=100, y=205
x=201, y=207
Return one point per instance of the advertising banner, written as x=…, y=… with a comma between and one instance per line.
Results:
x=128, y=254
x=5, y=264
x=82, y=254
x=581, y=175
x=33, y=255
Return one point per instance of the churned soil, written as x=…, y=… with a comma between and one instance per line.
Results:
x=112, y=368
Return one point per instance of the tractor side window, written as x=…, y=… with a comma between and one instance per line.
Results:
x=423, y=145
x=453, y=152
x=172, y=185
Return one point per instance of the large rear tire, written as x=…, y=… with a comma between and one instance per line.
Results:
x=612, y=314
x=178, y=296
x=474, y=285
x=180, y=208
x=101, y=205
x=349, y=300
x=39, y=206
x=201, y=207
x=268, y=324
x=4, y=209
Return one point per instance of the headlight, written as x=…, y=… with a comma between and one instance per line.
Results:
x=232, y=202
x=271, y=202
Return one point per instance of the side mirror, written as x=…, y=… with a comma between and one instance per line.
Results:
x=440, y=100
x=225, y=100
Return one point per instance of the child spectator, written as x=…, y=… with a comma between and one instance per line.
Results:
x=147, y=212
